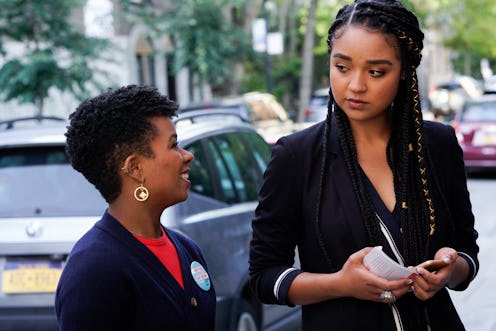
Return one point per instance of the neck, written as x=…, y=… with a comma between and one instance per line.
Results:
x=137, y=221
x=158, y=234
x=371, y=132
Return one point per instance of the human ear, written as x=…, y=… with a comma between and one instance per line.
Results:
x=131, y=167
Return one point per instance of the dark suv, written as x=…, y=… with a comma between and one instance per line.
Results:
x=46, y=206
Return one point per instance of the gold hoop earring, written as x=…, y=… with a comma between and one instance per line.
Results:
x=141, y=193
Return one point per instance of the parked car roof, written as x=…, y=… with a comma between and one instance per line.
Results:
x=29, y=121
x=262, y=110
x=482, y=108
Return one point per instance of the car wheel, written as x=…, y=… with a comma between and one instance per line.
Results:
x=246, y=318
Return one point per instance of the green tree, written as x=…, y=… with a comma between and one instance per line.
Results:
x=468, y=28
x=473, y=36
x=205, y=39
x=55, y=52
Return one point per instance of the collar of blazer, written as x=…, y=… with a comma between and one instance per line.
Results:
x=338, y=182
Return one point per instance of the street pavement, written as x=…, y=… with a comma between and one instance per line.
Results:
x=477, y=304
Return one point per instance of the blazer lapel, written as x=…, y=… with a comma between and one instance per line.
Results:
x=339, y=183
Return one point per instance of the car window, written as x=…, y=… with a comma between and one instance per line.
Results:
x=480, y=112
x=259, y=149
x=244, y=164
x=201, y=179
x=228, y=192
x=234, y=157
x=53, y=185
x=236, y=162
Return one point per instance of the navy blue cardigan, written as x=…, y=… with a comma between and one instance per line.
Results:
x=285, y=218
x=113, y=282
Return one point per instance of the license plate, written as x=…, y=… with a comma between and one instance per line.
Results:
x=490, y=139
x=484, y=138
x=30, y=276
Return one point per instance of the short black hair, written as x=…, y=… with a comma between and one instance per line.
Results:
x=106, y=129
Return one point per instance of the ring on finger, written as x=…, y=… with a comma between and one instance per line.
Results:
x=388, y=296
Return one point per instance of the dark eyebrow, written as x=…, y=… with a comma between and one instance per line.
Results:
x=173, y=136
x=374, y=62
x=342, y=56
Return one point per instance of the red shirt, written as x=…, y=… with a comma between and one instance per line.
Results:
x=166, y=252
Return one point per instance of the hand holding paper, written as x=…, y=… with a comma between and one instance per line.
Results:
x=382, y=265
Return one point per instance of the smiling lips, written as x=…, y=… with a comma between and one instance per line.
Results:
x=185, y=177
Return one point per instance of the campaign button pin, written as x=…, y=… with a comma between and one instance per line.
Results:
x=200, y=276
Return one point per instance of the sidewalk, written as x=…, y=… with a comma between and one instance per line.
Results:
x=477, y=304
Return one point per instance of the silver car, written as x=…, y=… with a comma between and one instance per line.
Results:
x=317, y=109
x=46, y=206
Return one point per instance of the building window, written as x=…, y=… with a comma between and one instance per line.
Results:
x=144, y=58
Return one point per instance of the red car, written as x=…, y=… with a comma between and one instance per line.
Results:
x=475, y=126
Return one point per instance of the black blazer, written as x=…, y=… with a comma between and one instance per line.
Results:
x=286, y=217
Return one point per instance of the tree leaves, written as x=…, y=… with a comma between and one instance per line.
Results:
x=205, y=39
x=56, y=52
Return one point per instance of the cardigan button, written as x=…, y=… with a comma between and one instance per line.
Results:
x=194, y=302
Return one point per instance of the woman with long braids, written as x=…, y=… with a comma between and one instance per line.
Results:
x=372, y=174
